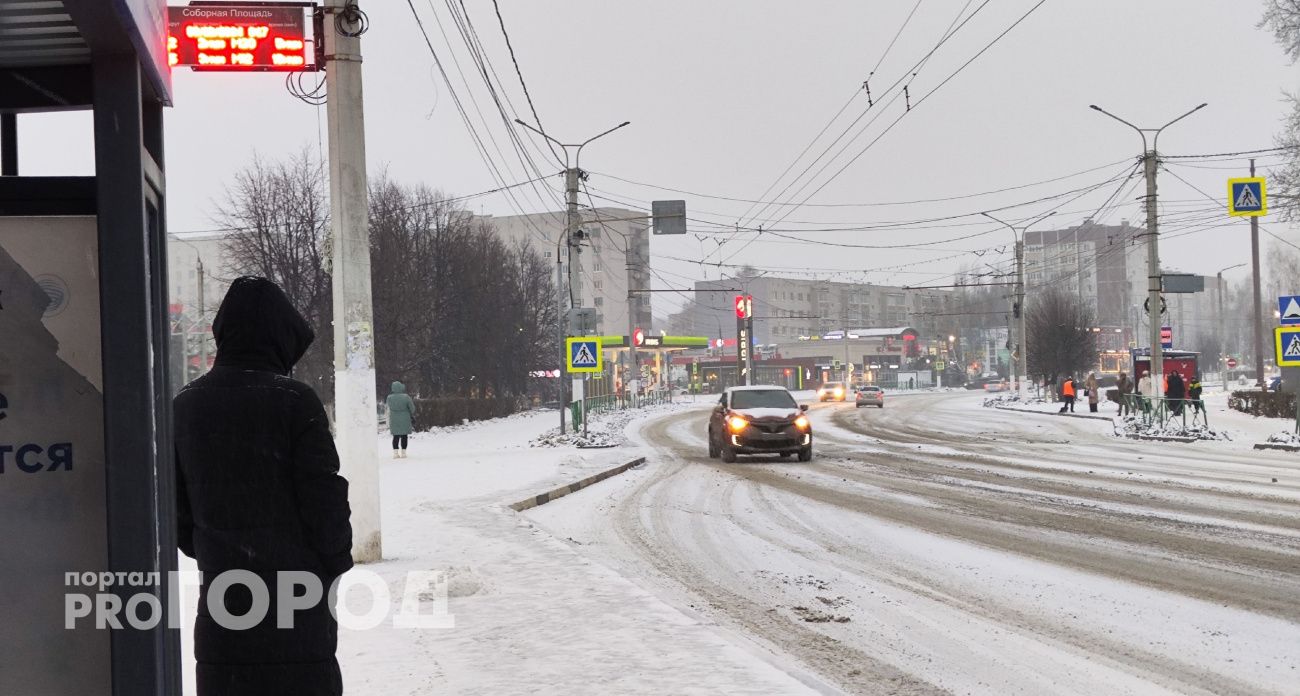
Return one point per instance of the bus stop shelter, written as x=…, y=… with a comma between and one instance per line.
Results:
x=86, y=477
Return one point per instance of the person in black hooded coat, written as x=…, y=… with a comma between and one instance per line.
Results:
x=258, y=490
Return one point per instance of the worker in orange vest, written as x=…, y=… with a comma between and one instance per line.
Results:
x=1067, y=395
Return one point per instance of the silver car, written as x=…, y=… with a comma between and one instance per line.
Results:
x=871, y=396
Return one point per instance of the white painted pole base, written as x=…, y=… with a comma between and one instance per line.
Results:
x=356, y=424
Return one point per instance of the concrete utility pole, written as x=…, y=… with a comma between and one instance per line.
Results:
x=355, y=416
x=1259, y=306
x=572, y=175
x=1020, y=335
x=1223, y=332
x=204, y=328
x=1150, y=162
x=559, y=326
x=633, y=368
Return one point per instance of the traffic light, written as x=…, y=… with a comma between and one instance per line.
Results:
x=744, y=306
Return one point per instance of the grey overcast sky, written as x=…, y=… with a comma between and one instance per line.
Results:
x=722, y=96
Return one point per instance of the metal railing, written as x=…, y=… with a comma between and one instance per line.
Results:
x=1163, y=411
x=616, y=402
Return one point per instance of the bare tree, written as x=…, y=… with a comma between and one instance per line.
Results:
x=1282, y=17
x=458, y=312
x=1061, y=341
x=278, y=218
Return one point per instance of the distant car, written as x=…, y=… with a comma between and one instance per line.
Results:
x=759, y=420
x=871, y=396
x=982, y=382
x=832, y=391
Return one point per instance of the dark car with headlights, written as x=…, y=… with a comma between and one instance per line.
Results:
x=759, y=420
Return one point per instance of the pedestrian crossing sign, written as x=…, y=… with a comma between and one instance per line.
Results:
x=1247, y=197
x=1288, y=346
x=584, y=354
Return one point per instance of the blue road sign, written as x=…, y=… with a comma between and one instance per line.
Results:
x=1247, y=196
x=585, y=354
x=1288, y=309
x=1287, y=342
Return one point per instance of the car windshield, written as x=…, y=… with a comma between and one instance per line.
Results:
x=762, y=398
x=870, y=389
x=833, y=385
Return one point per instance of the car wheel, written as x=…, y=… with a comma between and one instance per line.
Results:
x=805, y=454
x=713, y=446
x=728, y=454
x=882, y=405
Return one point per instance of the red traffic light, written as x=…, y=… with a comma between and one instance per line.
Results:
x=744, y=306
x=787, y=372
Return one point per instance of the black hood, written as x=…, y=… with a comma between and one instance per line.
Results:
x=257, y=328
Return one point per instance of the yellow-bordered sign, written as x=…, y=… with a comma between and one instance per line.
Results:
x=584, y=354
x=1286, y=341
x=1247, y=197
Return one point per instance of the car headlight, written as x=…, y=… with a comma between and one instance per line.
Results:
x=801, y=422
x=737, y=424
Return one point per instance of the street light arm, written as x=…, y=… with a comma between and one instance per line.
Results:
x=578, y=156
x=1141, y=132
x=1161, y=128
x=1037, y=220
x=544, y=135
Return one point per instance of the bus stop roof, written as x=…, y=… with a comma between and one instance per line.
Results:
x=48, y=46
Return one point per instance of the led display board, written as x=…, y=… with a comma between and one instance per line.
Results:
x=240, y=37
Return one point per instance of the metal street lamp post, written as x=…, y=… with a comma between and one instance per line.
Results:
x=1150, y=162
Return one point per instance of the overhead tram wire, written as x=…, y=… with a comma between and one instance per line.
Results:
x=837, y=115
x=1109, y=165
x=487, y=72
x=948, y=34
x=1126, y=174
x=481, y=148
x=609, y=196
x=1224, y=206
x=918, y=103
x=922, y=100
x=472, y=99
x=484, y=63
x=524, y=85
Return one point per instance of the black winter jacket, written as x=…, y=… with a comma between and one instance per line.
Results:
x=1177, y=389
x=259, y=490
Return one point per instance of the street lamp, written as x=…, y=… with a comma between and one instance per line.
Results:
x=1150, y=162
x=571, y=177
x=1021, y=362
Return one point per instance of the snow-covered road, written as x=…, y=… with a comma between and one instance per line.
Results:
x=937, y=546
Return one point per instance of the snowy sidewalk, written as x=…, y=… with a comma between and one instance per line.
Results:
x=531, y=615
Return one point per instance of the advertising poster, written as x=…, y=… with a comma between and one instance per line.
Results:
x=52, y=474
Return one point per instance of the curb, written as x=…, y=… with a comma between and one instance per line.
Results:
x=1084, y=416
x=1162, y=438
x=562, y=491
x=1276, y=446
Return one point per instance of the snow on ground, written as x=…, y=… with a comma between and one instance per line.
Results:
x=1239, y=430
x=938, y=545
x=531, y=615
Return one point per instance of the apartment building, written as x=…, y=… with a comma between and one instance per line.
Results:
x=615, y=256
